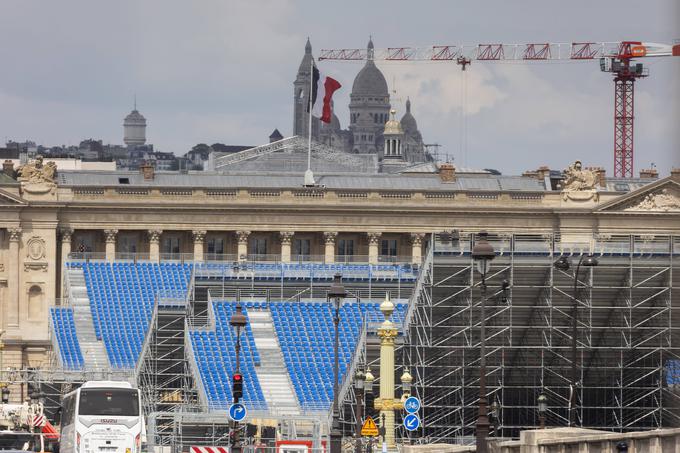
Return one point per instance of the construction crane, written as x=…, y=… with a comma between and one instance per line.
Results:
x=615, y=57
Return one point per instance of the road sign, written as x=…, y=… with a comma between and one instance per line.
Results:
x=237, y=412
x=412, y=405
x=369, y=428
x=411, y=422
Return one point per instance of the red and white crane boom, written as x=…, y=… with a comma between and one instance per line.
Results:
x=615, y=57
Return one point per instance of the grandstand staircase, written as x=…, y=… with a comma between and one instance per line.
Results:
x=94, y=352
x=272, y=372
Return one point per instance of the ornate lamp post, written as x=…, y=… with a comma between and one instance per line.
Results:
x=386, y=403
x=482, y=254
x=336, y=293
x=564, y=264
x=238, y=320
x=359, y=380
x=542, y=410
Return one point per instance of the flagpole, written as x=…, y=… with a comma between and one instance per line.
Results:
x=309, y=176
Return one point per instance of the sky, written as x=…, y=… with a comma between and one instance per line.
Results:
x=211, y=71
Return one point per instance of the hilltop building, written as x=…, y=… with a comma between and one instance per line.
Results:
x=369, y=111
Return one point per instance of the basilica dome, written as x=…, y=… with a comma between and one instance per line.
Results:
x=370, y=81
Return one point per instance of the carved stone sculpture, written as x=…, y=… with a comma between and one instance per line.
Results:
x=663, y=201
x=579, y=184
x=37, y=177
x=577, y=179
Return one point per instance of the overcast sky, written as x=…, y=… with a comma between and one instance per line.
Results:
x=222, y=71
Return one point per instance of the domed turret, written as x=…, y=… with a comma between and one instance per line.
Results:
x=134, y=128
x=394, y=136
x=408, y=122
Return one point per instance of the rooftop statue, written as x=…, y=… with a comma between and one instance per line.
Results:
x=579, y=184
x=36, y=177
x=35, y=172
x=577, y=179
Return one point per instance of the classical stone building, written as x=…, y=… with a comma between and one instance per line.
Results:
x=148, y=215
x=369, y=111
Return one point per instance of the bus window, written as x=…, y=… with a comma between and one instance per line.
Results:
x=112, y=402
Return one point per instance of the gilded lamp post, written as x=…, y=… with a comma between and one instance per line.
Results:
x=386, y=403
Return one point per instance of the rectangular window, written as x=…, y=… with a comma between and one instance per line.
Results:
x=258, y=246
x=215, y=246
x=388, y=247
x=346, y=247
x=170, y=245
x=127, y=244
x=109, y=402
x=302, y=248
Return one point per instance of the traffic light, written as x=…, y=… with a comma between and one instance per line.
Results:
x=237, y=386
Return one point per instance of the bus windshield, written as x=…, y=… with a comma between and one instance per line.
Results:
x=112, y=402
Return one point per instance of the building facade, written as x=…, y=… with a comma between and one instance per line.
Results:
x=148, y=215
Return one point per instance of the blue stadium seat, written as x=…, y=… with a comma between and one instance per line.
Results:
x=64, y=328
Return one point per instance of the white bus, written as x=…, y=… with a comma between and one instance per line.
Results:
x=102, y=417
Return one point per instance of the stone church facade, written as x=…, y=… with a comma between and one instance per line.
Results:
x=369, y=112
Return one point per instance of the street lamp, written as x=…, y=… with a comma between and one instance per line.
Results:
x=336, y=293
x=482, y=254
x=359, y=382
x=238, y=320
x=406, y=381
x=563, y=264
x=542, y=410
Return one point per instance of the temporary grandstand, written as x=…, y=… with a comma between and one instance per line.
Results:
x=167, y=326
x=627, y=344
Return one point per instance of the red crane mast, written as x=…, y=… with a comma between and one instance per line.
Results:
x=615, y=57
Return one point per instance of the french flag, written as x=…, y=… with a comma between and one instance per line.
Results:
x=326, y=86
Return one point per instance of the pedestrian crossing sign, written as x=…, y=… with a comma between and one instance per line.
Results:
x=369, y=428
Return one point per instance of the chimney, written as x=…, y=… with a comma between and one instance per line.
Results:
x=447, y=172
x=649, y=174
x=8, y=168
x=675, y=174
x=147, y=170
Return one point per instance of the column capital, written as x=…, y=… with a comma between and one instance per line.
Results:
x=242, y=236
x=286, y=237
x=329, y=237
x=417, y=238
x=110, y=235
x=66, y=233
x=198, y=235
x=155, y=235
x=14, y=234
x=374, y=237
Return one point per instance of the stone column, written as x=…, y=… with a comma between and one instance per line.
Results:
x=242, y=252
x=110, y=236
x=286, y=239
x=155, y=244
x=373, y=244
x=329, y=238
x=199, y=243
x=66, y=237
x=417, y=247
x=13, y=277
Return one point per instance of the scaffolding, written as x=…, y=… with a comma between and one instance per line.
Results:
x=627, y=331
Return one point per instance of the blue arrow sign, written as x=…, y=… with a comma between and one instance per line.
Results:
x=411, y=422
x=237, y=412
x=412, y=405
